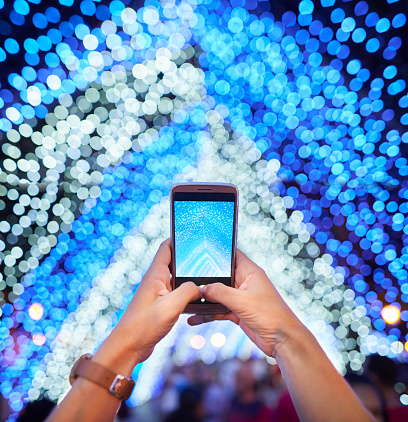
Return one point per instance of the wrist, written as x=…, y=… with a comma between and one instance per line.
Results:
x=117, y=354
x=294, y=340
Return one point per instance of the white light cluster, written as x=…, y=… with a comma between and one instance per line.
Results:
x=121, y=110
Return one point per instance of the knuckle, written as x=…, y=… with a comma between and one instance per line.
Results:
x=262, y=273
x=191, y=288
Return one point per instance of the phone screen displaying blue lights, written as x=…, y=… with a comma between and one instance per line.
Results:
x=203, y=235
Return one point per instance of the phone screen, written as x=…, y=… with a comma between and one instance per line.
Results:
x=203, y=237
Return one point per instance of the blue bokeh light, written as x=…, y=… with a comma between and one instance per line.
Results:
x=294, y=85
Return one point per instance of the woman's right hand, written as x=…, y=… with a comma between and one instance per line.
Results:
x=256, y=306
x=318, y=391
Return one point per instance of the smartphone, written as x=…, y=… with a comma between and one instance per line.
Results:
x=204, y=220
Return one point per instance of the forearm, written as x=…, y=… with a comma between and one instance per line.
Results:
x=86, y=401
x=90, y=402
x=318, y=391
x=150, y=315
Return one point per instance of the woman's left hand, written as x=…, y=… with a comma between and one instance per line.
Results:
x=150, y=315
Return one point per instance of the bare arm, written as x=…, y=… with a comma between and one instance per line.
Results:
x=318, y=391
x=149, y=317
x=87, y=401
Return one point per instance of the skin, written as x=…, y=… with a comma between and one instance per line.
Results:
x=151, y=314
x=370, y=398
x=318, y=391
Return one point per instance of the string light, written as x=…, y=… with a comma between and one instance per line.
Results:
x=197, y=342
x=101, y=119
x=36, y=311
x=391, y=314
x=218, y=339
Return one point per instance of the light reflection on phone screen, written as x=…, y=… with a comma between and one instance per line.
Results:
x=203, y=232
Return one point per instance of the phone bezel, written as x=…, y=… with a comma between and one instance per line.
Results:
x=205, y=188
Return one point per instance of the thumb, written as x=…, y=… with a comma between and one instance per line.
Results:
x=228, y=296
x=182, y=295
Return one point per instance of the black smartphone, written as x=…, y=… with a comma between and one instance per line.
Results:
x=204, y=220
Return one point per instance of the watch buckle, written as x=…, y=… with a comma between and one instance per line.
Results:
x=112, y=388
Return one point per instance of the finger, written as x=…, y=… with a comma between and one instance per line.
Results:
x=243, y=267
x=202, y=319
x=163, y=254
x=159, y=269
x=182, y=295
x=228, y=296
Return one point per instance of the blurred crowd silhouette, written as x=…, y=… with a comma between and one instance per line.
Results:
x=251, y=391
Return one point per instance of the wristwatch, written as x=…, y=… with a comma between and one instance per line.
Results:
x=117, y=384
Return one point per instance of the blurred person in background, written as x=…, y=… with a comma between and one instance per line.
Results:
x=318, y=391
x=274, y=385
x=177, y=381
x=285, y=410
x=369, y=395
x=246, y=405
x=36, y=411
x=384, y=373
x=215, y=395
x=363, y=387
x=190, y=406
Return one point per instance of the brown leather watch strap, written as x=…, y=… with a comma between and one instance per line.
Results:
x=117, y=384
